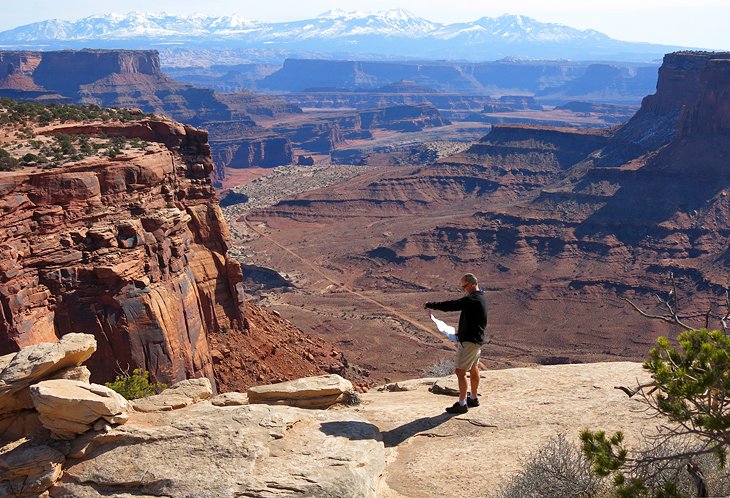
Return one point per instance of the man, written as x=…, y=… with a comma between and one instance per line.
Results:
x=470, y=334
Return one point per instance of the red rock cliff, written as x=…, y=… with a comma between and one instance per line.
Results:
x=131, y=249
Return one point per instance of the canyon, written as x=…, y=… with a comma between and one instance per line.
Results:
x=347, y=120
x=561, y=224
x=554, y=217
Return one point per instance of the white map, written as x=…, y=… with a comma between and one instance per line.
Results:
x=444, y=328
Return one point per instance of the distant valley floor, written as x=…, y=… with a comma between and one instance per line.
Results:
x=373, y=312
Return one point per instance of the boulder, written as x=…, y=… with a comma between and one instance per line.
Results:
x=27, y=469
x=68, y=407
x=41, y=361
x=230, y=399
x=180, y=395
x=208, y=451
x=310, y=392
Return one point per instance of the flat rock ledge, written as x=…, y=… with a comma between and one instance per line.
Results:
x=310, y=392
x=205, y=451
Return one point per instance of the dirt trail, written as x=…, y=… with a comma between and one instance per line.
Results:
x=318, y=271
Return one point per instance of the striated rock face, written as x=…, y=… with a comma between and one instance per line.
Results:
x=130, y=249
x=112, y=78
x=402, y=118
x=263, y=150
x=684, y=78
x=16, y=70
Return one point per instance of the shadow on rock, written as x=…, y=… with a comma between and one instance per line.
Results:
x=396, y=436
x=356, y=431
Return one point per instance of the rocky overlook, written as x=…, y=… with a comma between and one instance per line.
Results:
x=62, y=436
x=119, y=234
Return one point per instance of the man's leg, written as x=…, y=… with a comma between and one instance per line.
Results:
x=461, y=375
x=474, y=380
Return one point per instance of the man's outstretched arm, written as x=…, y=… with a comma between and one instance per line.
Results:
x=455, y=305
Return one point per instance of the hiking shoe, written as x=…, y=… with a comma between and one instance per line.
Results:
x=472, y=403
x=457, y=408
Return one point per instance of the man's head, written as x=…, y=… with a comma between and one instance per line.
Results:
x=469, y=283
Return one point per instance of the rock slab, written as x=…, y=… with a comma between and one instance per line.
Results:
x=27, y=469
x=68, y=408
x=310, y=392
x=31, y=364
x=182, y=394
x=208, y=451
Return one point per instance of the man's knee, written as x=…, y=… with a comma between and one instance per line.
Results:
x=460, y=372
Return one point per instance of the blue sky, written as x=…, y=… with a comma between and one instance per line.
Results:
x=697, y=23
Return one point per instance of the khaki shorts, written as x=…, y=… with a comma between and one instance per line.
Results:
x=467, y=355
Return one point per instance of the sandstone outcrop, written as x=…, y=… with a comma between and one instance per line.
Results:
x=69, y=408
x=384, y=447
x=112, y=78
x=133, y=79
x=18, y=371
x=131, y=249
x=309, y=392
x=210, y=451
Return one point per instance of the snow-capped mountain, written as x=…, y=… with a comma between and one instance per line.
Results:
x=518, y=29
x=394, y=32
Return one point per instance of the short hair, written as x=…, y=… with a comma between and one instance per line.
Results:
x=470, y=278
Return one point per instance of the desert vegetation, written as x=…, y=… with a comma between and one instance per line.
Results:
x=15, y=112
x=135, y=385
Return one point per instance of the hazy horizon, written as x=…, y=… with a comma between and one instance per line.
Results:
x=698, y=24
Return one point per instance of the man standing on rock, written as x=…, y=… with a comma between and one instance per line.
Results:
x=472, y=322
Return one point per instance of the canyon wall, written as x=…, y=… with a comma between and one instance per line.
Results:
x=130, y=248
x=552, y=80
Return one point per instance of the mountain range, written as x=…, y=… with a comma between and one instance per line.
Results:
x=394, y=33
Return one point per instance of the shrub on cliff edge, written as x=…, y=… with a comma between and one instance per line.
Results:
x=135, y=385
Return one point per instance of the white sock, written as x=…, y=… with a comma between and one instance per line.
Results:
x=462, y=403
x=472, y=396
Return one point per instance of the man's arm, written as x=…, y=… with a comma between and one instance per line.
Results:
x=455, y=305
